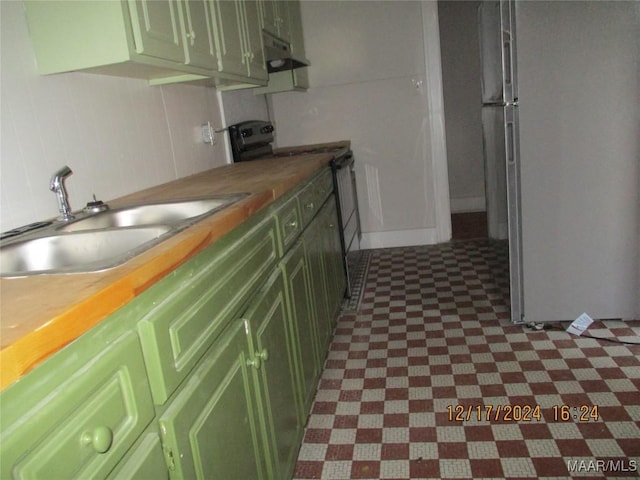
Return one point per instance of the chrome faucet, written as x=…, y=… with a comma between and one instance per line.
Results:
x=57, y=186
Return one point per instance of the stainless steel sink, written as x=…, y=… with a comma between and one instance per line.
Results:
x=169, y=213
x=99, y=241
x=77, y=252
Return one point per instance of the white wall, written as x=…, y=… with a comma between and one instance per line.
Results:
x=462, y=102
x=579, y=72
x=241, y=105
x=367, y=60
x=118, y=135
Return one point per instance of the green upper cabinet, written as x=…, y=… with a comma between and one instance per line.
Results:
x=200, y=49
x=275, y=18
x=253, y=35
x=126, y=38
x=156, y=29
x=290, y=30
x=238, y=39
x=300, y=76
x=163, y=41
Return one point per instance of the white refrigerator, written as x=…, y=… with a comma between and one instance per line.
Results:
x=578, y=68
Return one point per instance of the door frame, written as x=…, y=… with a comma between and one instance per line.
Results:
x=435, y=134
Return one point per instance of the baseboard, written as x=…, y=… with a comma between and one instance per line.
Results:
x=467, y=204
x=399, y=238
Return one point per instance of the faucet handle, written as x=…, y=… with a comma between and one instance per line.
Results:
x=95, y=206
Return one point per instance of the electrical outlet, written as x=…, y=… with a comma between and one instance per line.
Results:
x=208, y=134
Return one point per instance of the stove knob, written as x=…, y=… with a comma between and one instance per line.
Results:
x=246, y=132
x=266, y=129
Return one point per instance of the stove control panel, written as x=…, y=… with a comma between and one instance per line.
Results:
x=250, y=139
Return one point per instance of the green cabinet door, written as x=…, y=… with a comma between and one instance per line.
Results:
x=156, y=29
x=333, y=252
x=211, y=430
x=144, y=461
x=273, y=352
x=238, y=37
x=227, y=26
x=200, y=47
x=324, y=255
x=268, y=16
x=296, y=273
x=275, y=17
x=253, y=37
x=282, y=17
x=182, y=315
x=320, y=283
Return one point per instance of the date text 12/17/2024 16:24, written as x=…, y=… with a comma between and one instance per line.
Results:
x=521, y=413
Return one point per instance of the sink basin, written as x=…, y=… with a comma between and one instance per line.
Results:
x=103, y=240
x=78, y=252
x=168, y=213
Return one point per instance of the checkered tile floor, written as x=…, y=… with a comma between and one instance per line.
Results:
x=410, y=378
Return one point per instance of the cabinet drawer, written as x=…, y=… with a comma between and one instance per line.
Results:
x=289, y=224
x=314, y=194
x=185, y=312
x=82, y=426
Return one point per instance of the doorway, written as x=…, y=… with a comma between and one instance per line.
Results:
x=461, y=79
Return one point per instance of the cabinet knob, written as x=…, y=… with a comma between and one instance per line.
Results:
x=255, y=363
x=264, y=354
x=191, y=36
x=310, y=206
x=100, y=439
x=292, y=224
x=260, y=357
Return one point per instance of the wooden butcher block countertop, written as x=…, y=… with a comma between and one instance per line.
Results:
x=41, y=314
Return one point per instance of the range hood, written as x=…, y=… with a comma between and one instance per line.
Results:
x=278, y=55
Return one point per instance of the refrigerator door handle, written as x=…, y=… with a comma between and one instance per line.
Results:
x=511, y=155
x=507, y=58
x=509, y=47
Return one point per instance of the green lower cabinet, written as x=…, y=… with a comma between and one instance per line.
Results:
x=304, y=325
x=210, y=374
x=183, y=314
x=211, y=429
x=144, y=461
x=328, y=217
x=322, y=241
x=79, y=413
x=320, y=284
x=273, y=342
